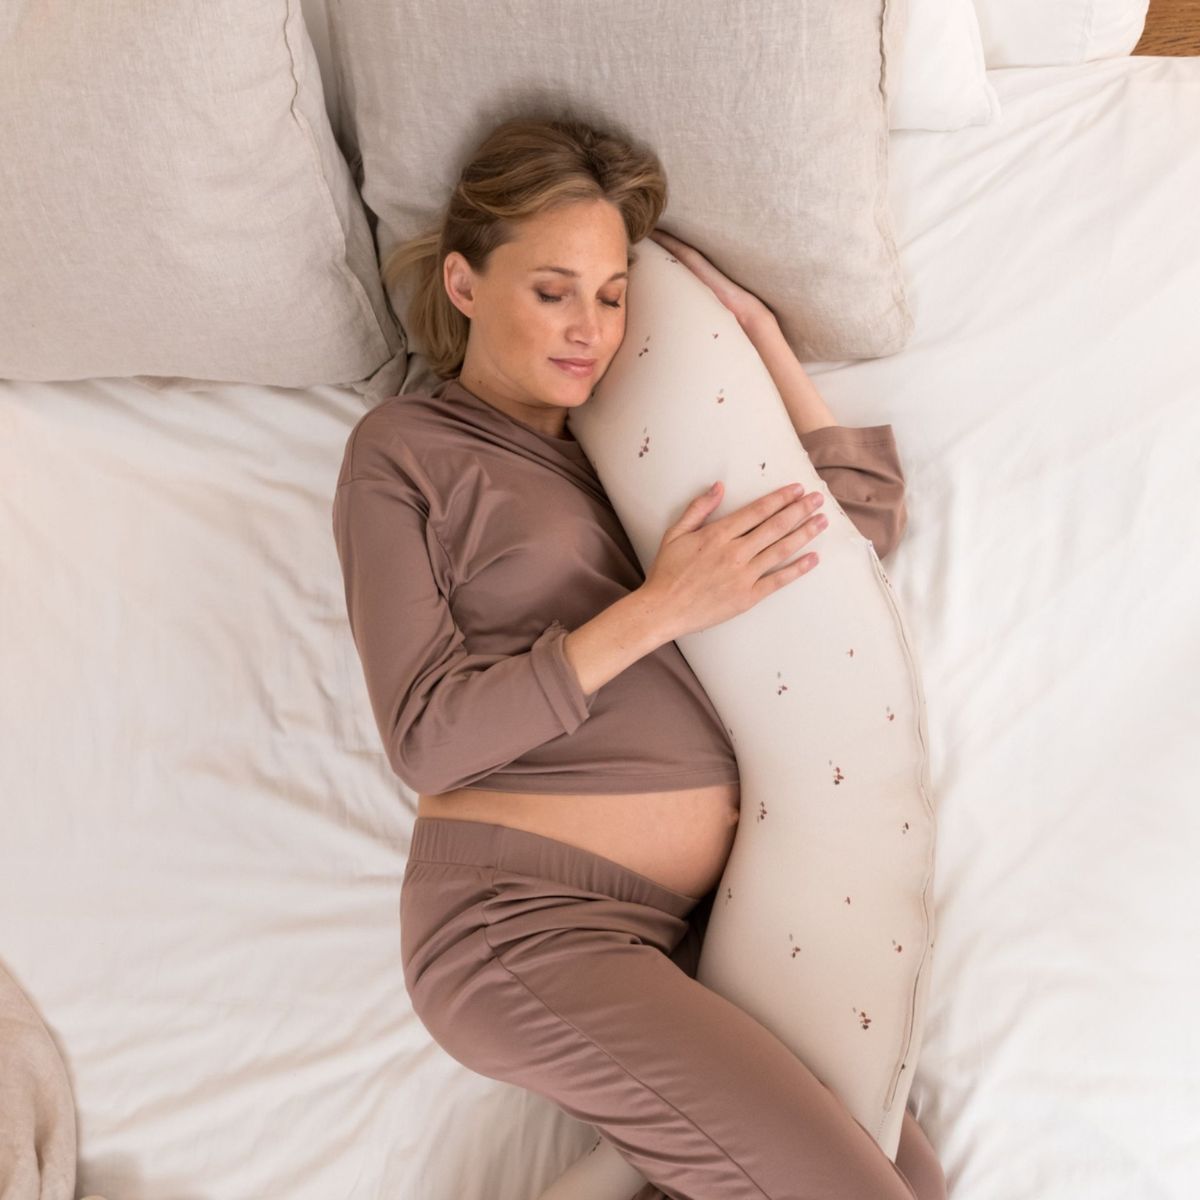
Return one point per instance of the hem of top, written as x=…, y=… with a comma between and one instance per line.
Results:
x=864, y=434
x=524, y=783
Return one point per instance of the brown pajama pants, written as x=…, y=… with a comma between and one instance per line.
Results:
x=560, y=971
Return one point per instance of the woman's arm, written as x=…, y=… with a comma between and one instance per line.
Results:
x=800, y=396
x=805, y=406
x=447, y=715
x=859, y=464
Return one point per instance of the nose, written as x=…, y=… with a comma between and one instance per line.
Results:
x=585, y=330
x=586, y=327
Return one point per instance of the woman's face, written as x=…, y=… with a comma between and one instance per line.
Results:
x=524, y=314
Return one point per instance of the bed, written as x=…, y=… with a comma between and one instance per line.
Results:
x=202, y=845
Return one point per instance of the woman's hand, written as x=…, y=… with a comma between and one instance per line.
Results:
x=707, y=571
x=744, y=305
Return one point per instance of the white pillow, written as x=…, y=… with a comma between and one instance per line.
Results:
x=941, y=81
x=174, y=202
x=823, y=923
x=1051, y=33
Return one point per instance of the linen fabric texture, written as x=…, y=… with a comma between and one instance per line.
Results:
x=175, y=204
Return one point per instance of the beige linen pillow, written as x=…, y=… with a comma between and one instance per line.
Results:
x=770, y=119
x=174, y=201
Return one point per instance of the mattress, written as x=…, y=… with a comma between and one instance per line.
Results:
x=203, y=844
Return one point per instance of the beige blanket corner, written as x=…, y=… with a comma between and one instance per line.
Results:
x=37, y=1106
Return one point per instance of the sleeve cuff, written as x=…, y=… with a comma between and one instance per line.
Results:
x=850, y=435
x=557, y=678
x=869, y=448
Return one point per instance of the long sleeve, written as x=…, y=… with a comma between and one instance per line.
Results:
x=861, y=467
x=447, y=717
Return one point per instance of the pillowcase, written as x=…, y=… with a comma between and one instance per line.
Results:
x=942, y=80
x=1051, y=33
x=770, y=121
x=174, y=201
x=822, y=926
x=316, y=21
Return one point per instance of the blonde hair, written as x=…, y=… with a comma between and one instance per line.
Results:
x=525, y=166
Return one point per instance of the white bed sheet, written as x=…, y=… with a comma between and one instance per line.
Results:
x=203, y=845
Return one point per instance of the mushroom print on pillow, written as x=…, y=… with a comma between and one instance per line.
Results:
x=822, y=925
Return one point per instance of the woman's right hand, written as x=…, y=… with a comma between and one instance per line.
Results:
x=705, y=574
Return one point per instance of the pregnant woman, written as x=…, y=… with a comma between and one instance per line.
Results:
x=578, y=792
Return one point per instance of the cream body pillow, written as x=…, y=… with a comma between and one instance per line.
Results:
x=174, y=202
x=764, y=115
x=823, y=923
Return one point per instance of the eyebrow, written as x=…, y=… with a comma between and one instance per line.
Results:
x=575, y=274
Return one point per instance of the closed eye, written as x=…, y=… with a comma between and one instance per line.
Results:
x=554, y=299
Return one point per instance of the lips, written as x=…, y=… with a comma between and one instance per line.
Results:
x=574, y=368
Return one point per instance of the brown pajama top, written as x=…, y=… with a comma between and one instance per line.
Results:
x=471, y=544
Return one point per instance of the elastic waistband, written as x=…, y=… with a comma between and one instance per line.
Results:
x=483, y=844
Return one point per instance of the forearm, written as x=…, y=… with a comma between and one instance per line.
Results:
x=628, y=629
x=800, y=396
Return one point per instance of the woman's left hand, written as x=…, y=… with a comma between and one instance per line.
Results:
x=744, y=305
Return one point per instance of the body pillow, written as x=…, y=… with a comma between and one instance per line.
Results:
x=822, y=925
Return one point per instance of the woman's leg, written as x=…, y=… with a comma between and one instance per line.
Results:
x=552, y=970
x=916, y=1158
x=918, y=1162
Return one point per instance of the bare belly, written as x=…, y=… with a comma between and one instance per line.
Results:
x=679, y=839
